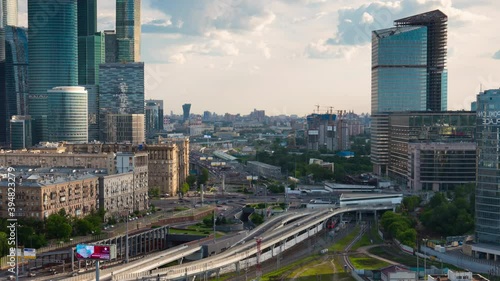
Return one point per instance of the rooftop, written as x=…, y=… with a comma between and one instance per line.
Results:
x=423, y=18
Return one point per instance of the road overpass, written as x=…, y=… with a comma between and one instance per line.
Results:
x=244, y=254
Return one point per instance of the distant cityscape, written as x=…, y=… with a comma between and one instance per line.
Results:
x=78, y=133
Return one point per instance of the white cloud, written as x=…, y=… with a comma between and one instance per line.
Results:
x=177, y=58
x=266, y=52
x=366, y=18
x=322, y=50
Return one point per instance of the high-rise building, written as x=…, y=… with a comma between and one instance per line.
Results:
x=68, y=117
x=124, y=128
x=16, y=72
x=53, y=52
x=90, y=43
x=20, y=132
x=110, y=46
x=9, y=12
x=93, y=111
x=128, y=30
x=488, y=173
x=154, y=116
x=186, y=108
x=121, y=91
x=408, y=73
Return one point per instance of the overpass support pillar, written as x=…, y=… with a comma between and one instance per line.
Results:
x=341, y=217
x=359, y=216
x=375, y=216
x=272, y=250
x=237, y=264
x=180, y=260
x=295, y=237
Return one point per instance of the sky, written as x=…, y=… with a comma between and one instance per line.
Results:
x=289, y=56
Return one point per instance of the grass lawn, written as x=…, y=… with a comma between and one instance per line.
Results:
x=393, y=253
x=367, y=238
x=361, y=261
x=187, y=231
x=342, y=243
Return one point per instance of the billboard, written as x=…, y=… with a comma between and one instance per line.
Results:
x=95, y=252
x=29, y=253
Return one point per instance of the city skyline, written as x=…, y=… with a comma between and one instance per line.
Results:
x=287, y=56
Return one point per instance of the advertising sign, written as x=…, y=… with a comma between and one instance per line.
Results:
x=29, y=253
x=95, y=252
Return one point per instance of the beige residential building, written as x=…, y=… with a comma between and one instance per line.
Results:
x=41, y=192
x=164, y=168
x=48, y=159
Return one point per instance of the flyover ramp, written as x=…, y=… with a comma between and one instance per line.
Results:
x=308, y=226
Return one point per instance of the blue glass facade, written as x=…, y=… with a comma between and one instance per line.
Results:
x=399, y=73
x=68, y=114
x=53, y=50
x=488, y=168
x=128, y=30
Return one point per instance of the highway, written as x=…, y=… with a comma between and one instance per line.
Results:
x=284, y=237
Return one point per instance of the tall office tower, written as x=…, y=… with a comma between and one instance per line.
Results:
x=128, y=30
x=68, y=117
x=9, y=12
x=16, y=72
x=154, y=117
x=53, y=52
x=20, y=132
x=488, y=175
x=110, y=46
x=121, y=91
x=408, y=74
x=186, y=108
x=90, y=43
x=93, y=111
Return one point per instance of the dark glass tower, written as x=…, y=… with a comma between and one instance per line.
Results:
x=16, y=72
x=53, y=51
x=90, y=43
x=128, y=30
x=488, y=168
x=186, y=108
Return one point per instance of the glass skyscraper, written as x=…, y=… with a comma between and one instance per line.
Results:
x=16, y=72
x=408, y=74
x=488, y=168
x=128, y=30
x=53, y=52
x=121, y=91
x=68, y=114
x=90, y=43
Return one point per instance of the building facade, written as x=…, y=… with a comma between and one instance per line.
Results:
x=93, y=111
x=408, y=74
x=164, y=168
x=9, y=9
x=109, y=46
x=20, y=132
x=42, y=192
x=121, y=91
x=415, y=139
x=69, y=114
x=57, y=38
x=322, y=132
x=126, y=189
x=488, y=171
x=16, y=71
x=128, y=30
x=47, y=159
x=124, y=128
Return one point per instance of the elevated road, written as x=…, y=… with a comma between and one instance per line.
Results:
x=244, y=253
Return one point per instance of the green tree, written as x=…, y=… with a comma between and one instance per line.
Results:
x=184, y=188
x=154, y=192
x=4, y=246
x=257, y=218
x=191, y=180
x=203, y=177
x=58, y=226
